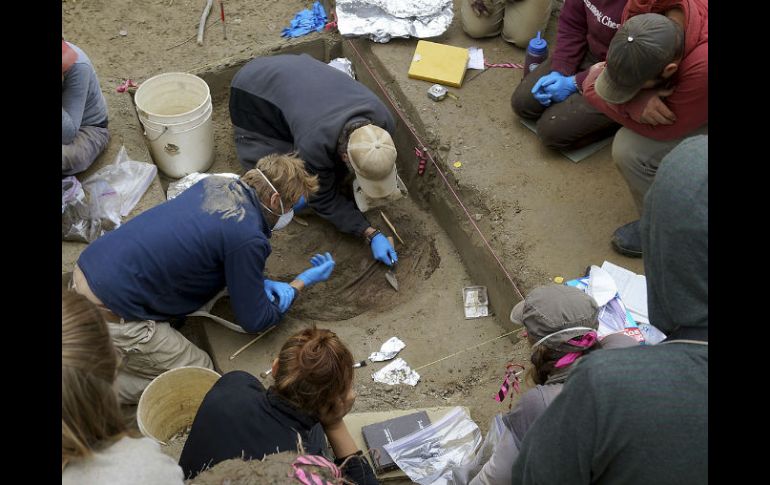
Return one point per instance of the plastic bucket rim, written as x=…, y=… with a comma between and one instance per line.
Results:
x=169, y=127
x=137, y=97
x=139, y=421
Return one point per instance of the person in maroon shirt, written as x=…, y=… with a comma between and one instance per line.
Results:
x=655, y=83
x=550, y=93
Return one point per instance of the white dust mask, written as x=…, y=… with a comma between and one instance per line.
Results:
x=284, y=218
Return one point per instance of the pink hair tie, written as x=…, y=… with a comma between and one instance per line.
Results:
x=586, y=341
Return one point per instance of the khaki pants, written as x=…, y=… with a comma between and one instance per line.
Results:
x=519, y=20
x=638, y=158
x=148, y=348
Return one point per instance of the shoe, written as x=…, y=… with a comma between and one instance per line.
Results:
x=627, y=240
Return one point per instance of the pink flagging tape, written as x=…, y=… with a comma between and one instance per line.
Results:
x=508, y=65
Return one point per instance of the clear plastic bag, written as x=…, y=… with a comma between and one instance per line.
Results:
x=129, y=178
x=461, y=475
x=87, y=212
x=429, y=455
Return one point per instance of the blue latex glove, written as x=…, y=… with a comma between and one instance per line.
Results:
x=306, y=21
x=301, y=204
x=559, y=86
x=543, y=98
x=283, y=291
x=323, y=264
x=383, y=251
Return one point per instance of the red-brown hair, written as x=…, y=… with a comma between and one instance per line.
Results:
x=314, y=369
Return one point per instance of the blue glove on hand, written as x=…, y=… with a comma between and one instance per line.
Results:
x=383, y=251
x=559, y=86
x=283, y=291
x=323, y=264
x=301, y=204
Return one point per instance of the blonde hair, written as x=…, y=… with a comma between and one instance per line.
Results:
x=288, y=175
x=90, y=415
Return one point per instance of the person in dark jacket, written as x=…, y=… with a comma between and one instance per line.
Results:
x=285, y=103
x=171, y=260
x=311, y=393
x=552, y=93
x=640, y=415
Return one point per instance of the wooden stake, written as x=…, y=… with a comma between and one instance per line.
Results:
x=385, y=218
x=249, y=344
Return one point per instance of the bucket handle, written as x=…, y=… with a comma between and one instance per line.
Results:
x=157, y=137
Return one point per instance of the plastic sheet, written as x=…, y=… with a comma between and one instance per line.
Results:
x=430, y=454
x=129, y=178
x=382, y=20
x=461, y=475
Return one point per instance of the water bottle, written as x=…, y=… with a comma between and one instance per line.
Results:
x=537, y=53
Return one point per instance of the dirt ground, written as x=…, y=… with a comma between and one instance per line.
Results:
x=543, y=214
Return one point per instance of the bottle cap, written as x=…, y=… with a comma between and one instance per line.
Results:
x=538, y=45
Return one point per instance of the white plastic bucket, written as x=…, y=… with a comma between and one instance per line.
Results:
x=175, y=110
x=170, y=402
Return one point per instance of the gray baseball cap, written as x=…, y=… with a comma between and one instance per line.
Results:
x=638, y=52
x=553, y=308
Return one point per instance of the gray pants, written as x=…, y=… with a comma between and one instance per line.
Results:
x=638, y=158
x=81, y=153
x=251, y=146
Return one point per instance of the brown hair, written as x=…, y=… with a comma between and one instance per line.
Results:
x=288, y=175
x=90, y=415
x=544, y=362
x=314, y=369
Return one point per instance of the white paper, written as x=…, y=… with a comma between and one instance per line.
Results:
x=632, y=288
x=388, y=350
x=601, y=286
x=475, y=58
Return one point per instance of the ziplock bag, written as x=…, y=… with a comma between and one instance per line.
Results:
x=429, y=455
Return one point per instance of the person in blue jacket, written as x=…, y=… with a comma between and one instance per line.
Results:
x=174, y=258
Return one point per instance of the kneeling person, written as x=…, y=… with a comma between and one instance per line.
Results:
x=174, y=258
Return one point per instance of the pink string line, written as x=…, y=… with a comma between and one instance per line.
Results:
x=508, y=65
x=438, y=170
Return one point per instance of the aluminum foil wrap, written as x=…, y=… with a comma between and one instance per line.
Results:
x=383, y=19
x=343, y=64
x=397, y=372
x=176, y=188
x=388, y=350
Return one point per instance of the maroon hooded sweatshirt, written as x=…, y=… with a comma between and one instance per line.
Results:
x=585, y=24
x=689, y=101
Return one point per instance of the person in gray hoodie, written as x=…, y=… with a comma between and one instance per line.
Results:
x=640, y=415
x=84, y=133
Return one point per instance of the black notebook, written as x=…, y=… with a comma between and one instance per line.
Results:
x=378, y=434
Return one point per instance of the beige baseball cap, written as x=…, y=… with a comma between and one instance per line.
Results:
x=373, y=156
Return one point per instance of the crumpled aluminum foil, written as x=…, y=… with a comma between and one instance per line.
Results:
x=383, y=19
x=176, y=188
x=397, y=372
x=344, y=65
x=388, y=350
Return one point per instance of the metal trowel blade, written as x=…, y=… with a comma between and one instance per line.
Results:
x=391, y=277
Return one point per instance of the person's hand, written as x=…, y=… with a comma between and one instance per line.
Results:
x=543, y=98
x=323, y=264
x=283, y=291
x=331, y=415
x=383, y=251
x=559, y=86
x=301, y=204
x=656, y=112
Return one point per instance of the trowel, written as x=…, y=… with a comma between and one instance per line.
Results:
x=390, y=274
